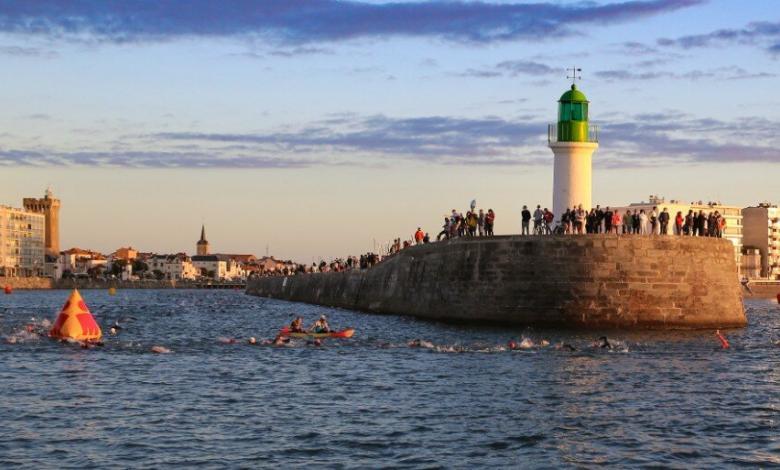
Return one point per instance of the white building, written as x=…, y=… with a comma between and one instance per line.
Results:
x=174, y=267
x=732, y=215
x=220, y=267
x=79, y=262
x=762, y=232
x=22, y=242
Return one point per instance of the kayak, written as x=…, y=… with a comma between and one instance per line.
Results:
x=345, y=333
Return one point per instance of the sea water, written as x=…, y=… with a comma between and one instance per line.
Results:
x=673, y=399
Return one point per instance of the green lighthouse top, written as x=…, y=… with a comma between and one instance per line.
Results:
x=573, y=96
x=573, y=123
x=573, y=116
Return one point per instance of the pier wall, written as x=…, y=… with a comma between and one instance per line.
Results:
x=593, y=281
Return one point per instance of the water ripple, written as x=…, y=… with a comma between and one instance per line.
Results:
x=670, y=399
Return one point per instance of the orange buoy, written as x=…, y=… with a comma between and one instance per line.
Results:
x=75, y=321
x=8, y=289
x=723, y=341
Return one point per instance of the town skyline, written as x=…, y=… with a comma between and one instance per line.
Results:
x=278, y=132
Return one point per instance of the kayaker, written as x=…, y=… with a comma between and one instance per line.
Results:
x=297, y=325
x=321, y=325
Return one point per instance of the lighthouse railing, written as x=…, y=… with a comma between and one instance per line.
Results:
x=552, y=134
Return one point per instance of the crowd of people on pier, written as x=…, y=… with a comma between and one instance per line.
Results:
x=541, y=221
x=473, y=224
x=637, y=221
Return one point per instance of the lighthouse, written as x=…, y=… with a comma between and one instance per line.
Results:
x=573, y=141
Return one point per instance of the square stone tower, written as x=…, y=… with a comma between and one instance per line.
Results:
x=49, y=206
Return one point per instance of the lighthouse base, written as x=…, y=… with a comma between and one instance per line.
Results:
x=572, y=175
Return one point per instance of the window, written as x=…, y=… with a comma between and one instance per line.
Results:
x=573, y=112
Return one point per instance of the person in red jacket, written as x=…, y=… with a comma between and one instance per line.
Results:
x=419, y=235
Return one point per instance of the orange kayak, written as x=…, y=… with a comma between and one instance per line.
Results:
x=345, y=333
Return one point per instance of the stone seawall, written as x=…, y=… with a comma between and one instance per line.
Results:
x=26, y=283
x=568, y=281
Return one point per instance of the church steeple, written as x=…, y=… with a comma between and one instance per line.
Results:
x=202, y=247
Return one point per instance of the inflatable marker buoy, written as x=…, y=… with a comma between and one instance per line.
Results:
x=75, y=322
x=9, y=289
x=723, y=342
x=112, y=291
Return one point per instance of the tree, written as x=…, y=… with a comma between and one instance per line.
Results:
x=118, y=266
x=95, y=272
x=140, y=267
x=159, y=275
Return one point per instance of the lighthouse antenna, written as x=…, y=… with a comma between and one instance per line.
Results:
x=576, y=74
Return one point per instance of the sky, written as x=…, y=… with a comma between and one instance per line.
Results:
x=314, y=129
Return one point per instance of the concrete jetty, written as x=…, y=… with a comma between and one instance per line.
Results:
x=593, y=281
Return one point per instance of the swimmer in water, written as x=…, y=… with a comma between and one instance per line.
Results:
x=420, y=343
x=603, y=342
x=565, y=347
x=112, y=331
x=321, y=325
x=297, y=325
x=745, y=281
x=160, y=350
x=252, y=340
x=280, y=340
x=315, y=342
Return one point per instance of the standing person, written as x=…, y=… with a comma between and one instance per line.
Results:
x=481, y=223
x=566, y=221
x=644, y=223
x=701, y=223
x=636, y=223
x=538, y=216
x=490, y=220
x=663, y=220
x=678, y=223
x=418, y=236
x=445, y=230
x=721, y=226
x=654, y=220
x=548, y=220
x=689, y=222
x=579, y=219
x=526, y=219
x=607, y=220
x=616, y=222
x=472, y=222
x=599, y=219
x=627, y=222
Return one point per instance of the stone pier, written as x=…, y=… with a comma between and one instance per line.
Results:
x=594, y=281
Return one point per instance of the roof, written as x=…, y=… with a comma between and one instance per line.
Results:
x=573, y=96
x=211, y=258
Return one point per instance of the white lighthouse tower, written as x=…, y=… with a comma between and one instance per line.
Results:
x=573, y=141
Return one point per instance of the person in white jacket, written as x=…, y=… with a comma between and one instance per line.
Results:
x=644, y=223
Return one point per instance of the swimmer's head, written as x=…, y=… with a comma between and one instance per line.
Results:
x=511, y=344
x=252, y=340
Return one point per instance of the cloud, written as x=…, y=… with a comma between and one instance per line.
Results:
x=513, y=68
x=316, y=21
x=19, y=51
x=763, y=33
x=435, y=139
x=659, y=139
x=720, y=73
x=144, y=159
